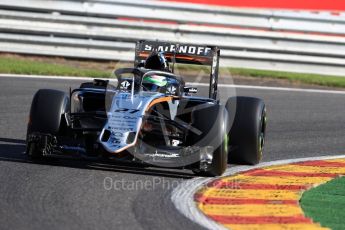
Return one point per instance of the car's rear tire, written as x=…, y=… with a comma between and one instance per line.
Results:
x=212, y=122
x=247, y=133
x=47, y=109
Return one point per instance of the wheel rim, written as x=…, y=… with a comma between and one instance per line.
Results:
x=226, y=143
x=262, y=133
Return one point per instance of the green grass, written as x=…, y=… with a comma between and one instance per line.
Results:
x=20, y=66
x=13, y=65
x=314, y=79
x=325, y=204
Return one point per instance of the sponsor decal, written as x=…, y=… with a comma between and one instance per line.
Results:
x=130, y=118
x=124, y=121
x=122, y=129
x=125, y=110
x=123, y=96
x=162, y=155
x=117, y=134
x=171, y=90
x=122, y=125
x=193, y=90
x=116, y=141
x=182, y=49
x=125, y=85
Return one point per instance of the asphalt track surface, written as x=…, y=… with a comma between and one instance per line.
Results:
x=70, y=194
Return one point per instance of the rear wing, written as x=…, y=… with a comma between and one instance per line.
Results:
x=185, y=54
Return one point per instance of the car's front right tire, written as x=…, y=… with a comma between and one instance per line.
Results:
x=47, y=109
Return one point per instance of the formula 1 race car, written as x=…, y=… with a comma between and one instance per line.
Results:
x=150, y=116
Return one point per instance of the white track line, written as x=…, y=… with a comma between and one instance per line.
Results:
x=183, y=195
x=44, y=77
x=188, y=83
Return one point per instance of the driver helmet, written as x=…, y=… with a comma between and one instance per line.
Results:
x=155, y=83
x=157, y=61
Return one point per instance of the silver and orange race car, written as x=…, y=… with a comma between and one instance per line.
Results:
x=150, y=116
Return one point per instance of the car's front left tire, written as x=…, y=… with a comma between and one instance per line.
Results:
x=212, y=122
x=248, y=129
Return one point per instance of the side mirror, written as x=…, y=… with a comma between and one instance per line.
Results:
x=190, y=90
